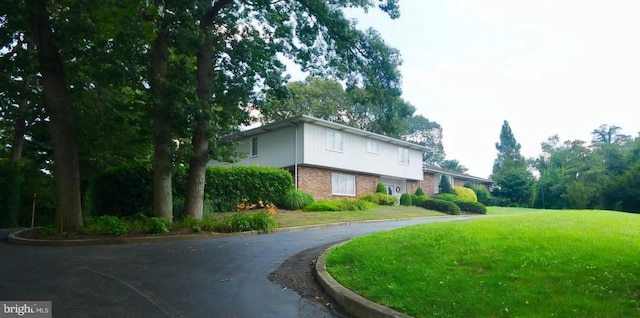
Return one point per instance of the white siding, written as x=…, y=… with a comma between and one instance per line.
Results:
x=275, y=149
x=355, y=157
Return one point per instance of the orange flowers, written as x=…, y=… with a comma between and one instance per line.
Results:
x=246, y=206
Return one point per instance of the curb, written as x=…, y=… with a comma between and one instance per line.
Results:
x=14, y=239
x=352, y=303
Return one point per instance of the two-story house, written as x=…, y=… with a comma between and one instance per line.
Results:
x=331, y=160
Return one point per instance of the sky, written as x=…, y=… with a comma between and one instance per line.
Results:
x=546, y=66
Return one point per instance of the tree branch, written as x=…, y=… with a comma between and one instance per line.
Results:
x=212, y=13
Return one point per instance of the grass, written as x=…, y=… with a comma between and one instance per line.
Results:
x=297, y=218
x=531, y=264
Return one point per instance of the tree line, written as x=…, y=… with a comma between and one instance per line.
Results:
x=570, y=174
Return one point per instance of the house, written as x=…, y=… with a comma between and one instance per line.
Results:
x=433, y=174
x=331, y=160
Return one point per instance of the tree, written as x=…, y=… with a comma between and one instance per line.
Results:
x=428, y=133
x=606, y=134
x=453, y=165
x=445, y=185
x=58, y=106
x=513, y=180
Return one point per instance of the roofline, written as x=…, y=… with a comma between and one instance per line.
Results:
x=432, y=168
x=325, y=123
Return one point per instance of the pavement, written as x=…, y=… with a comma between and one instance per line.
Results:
x=217, y=277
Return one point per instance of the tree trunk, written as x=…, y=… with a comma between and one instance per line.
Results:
x=194, y=197
x=162, y=161
x=65, y=152
x=20, y=126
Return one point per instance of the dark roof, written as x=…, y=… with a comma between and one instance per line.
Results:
x=464, y=176
x=325, y=123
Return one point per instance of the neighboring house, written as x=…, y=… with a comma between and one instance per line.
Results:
x=432, y=175
x=332, y=160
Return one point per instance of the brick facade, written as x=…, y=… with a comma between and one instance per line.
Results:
x=427, y=184
x=317, y=181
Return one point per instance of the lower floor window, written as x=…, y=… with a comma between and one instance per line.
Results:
x=343, y=184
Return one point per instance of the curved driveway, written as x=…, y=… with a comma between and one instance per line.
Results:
x=218, y=277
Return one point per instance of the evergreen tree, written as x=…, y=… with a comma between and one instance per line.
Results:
x=445, y=185
x=513, y=181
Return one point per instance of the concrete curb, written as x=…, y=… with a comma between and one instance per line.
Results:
x=353, y=303
x=13, y=237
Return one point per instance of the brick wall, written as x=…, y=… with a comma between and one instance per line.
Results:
x=458, y=182
x=427, y=184
x=317, y=181
x=412, y=186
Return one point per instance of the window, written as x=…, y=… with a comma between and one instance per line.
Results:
x=254, y=146
x=403, y=156
x=372, y=146
x=343, y=184
x=334, y=140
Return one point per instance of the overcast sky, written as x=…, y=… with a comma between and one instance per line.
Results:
x=546, y=66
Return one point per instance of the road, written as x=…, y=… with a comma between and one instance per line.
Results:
x=218, y=277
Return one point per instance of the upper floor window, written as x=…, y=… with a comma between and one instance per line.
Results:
x=403, y=155
x=372, y=146
x=334, y=140
x=254, y=146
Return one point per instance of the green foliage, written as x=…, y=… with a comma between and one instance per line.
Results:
x=422, y=131
x=10, y=181
x=471, y=206
x=338, y=205
x=445, y=185
x=514, y=183
x=578, y=195
x=228, y=186
x=465, y=194
x=321, y=206
x=453, y=165
x=295, y=200
x=124, y=191
x=156, y=225
x=105, y=224
x=446, y=197
x=482, y=194
x=49, y=230
x=441, y=205
x=380, y=198
x=405, y=199
x=380, y=188
x=261, y=222
x=419, y=200
x=419, y=191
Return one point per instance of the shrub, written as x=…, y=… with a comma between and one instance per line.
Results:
x=419, y=191
x=355, y=205
x=124, y=191
x=482, y=194
x=105, y=224
x=446, y=197
x=261, y=222
x=471, y=207
x=419, y=200
x=380, y=198
x=157, y=226
x=227, y=186
x=413, y=199
x=468, y=184
x=405, y=199
x=441, y=205
x=295, y=200
x=380, y=188
x=321, y=206
x=445, y=185
x=465, y=194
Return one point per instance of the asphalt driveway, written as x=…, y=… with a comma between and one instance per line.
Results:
x=218, y=277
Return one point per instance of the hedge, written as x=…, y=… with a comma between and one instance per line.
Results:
x=471, y=207
x=123, y=191
x=380, y=198
x=228, y=186
x=405, y=199
x=418, y=200
x=441, y=205
x=446, y=197
x=465, y=194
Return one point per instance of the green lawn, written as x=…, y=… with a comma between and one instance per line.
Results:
x=298, y=218
x=531, y=264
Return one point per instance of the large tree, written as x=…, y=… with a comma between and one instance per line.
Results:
x=606, y=134
x=453, y=165
x=420, y=130
x=58, y=105
x=513, y=180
